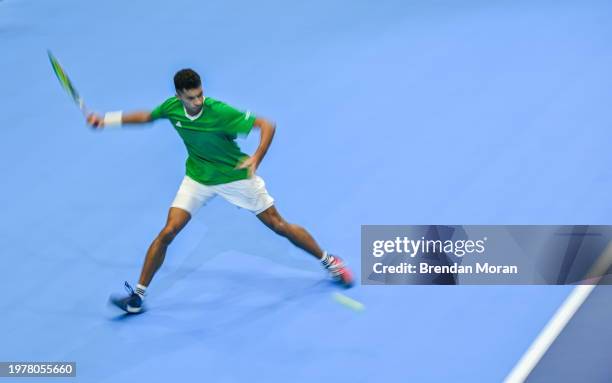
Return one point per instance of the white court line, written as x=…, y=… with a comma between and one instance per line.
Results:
x=559, y=320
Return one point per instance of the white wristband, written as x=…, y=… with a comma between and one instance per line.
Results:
x=113, y=118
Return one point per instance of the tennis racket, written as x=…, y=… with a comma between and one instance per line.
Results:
x=67, y=84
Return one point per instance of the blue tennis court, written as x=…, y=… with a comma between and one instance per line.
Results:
x=394, y=112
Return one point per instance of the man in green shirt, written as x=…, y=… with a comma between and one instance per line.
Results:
x=215, y=166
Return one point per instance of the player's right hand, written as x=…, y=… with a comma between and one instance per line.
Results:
x=95, y=121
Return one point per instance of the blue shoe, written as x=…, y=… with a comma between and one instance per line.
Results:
x=131, y=304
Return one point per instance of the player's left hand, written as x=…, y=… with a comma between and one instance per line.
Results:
x=249, y=163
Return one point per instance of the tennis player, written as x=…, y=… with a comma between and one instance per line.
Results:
x=215, y=166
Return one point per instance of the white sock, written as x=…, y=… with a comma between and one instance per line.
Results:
x=140, y=290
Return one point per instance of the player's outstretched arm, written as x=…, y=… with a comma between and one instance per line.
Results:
x=118, y=118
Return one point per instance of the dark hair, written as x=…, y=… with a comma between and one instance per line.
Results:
x=186, y=79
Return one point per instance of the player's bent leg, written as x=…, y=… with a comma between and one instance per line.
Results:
x=189, y=198
x=176, y=221
x=302, y=239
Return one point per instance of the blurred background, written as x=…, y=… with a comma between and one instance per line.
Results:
x=388, y=112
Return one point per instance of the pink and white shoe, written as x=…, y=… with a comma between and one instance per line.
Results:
x=340, y=273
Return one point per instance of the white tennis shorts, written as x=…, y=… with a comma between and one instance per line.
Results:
x=249, y=194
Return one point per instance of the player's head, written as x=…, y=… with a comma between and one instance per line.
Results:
x=188, y=87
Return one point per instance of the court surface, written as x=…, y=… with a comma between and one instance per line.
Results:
x=394, y=112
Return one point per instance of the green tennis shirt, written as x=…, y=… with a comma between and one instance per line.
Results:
x=210, y=138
